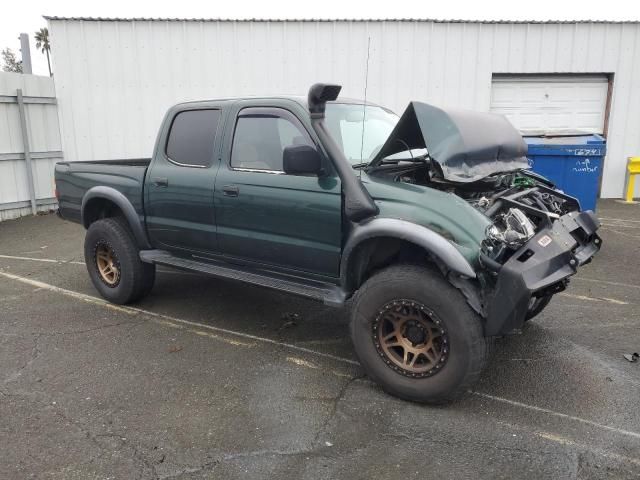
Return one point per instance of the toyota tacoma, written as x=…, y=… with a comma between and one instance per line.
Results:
x=429, y=227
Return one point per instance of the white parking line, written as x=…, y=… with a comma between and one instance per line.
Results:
x=619, y=220
x=611, y=226
x=45, y=260
x=570, y=443
x=164, y=319
x=514, y=403
x=74, y=262
x=595, y=280
x=174, y=322
x=177, y=272
x=593, y=299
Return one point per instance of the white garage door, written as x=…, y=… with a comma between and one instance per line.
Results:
x=552, y=105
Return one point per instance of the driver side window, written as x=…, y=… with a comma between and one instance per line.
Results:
x=260, y=137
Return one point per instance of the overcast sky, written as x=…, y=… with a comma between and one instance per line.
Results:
x=26, y=16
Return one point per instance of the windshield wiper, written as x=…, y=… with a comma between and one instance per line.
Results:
x=420, y=159
x=359, y=165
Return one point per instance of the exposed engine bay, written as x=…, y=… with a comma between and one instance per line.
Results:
x=519, y=203
x=536, y=237
x=486, y=166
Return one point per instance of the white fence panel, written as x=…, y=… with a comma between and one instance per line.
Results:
x=20, y=195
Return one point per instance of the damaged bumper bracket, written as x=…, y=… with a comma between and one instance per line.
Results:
x=541, y=267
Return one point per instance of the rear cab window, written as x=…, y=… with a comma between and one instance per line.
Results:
x=192, y=136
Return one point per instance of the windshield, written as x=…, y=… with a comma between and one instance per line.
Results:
x=345, y=123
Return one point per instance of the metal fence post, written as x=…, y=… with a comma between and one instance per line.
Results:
x=26, y=53
x=27, y=151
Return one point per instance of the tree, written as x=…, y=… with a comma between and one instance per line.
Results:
x=10, y=62
x=42, y=42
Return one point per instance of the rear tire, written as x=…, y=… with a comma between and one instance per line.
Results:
x=113, y=262
x=406, y=309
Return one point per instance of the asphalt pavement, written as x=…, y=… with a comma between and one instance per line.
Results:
x=208, y=378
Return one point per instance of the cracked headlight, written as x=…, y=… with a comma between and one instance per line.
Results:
x=512, y=229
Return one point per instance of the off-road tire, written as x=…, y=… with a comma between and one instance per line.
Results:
x=468, y=349
x=537, y=307
x=135, y=278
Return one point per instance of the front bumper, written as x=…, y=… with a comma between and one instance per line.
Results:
x=541, y=267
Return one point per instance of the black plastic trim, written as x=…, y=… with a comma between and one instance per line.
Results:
x=432, y=242
x=328, y=293
x=113, y=195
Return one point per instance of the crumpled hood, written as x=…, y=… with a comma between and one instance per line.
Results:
x=466, y=145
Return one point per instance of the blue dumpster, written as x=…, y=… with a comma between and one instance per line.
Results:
x=573, y=163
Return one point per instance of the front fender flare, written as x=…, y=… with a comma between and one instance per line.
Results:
x=123, y=203
x=432, y=242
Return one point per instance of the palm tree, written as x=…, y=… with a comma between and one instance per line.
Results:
x=42, y=42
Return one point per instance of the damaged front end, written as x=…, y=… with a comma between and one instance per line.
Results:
x=538, y=236
x=530, y=252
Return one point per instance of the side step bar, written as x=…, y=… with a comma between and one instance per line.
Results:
x=328, y=293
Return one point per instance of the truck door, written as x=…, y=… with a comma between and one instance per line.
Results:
x=266, y=216
x=180, y=181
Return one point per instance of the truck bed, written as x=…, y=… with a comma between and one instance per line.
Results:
x=74, y=179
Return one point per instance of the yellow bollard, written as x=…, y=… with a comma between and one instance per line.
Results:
x=633, y=168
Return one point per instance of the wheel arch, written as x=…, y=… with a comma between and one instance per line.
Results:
x=101, y=201
x=391, y=236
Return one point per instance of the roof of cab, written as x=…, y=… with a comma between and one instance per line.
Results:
x=300, y=99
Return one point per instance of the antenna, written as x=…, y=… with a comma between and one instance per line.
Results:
x=364, y=107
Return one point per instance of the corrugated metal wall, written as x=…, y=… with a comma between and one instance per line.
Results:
x=115, y=79
x=44, y=137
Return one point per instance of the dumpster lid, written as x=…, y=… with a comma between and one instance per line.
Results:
x=591, y=139
x=577, y=145
x=467, y=145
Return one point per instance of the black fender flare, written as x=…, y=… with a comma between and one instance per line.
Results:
x=432, y=242
x=123, y=203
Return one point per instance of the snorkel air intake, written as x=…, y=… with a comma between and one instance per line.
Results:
x=358, y=204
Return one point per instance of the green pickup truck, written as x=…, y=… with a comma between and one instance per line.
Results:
x=429, y=227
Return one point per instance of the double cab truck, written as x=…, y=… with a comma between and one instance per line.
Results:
x=428, y=227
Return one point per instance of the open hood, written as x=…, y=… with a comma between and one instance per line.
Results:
x=466, y=145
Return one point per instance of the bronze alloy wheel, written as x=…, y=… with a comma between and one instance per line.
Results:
x=410, y=338
x=108, y=264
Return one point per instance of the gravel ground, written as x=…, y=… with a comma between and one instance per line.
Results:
x=213, y=379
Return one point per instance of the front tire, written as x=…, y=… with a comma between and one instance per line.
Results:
x=113, y=262
x=536, y=305
x=416, y=336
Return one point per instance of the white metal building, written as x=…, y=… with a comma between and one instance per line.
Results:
x=115, y=78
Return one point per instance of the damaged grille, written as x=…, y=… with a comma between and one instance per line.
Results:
x=517, y=214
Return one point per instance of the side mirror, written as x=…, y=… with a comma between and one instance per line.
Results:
x=301, y=160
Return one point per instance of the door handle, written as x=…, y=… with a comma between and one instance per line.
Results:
x=230, y=191
x=161, y=182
